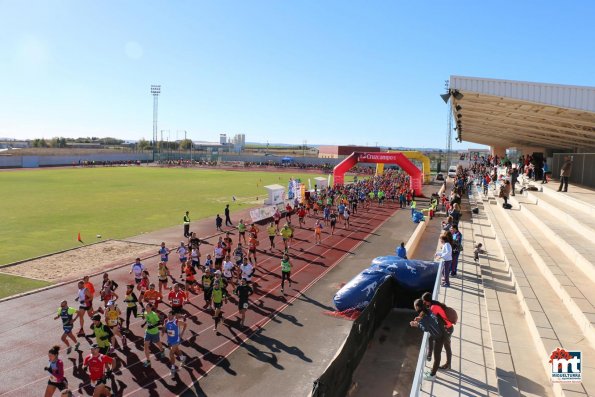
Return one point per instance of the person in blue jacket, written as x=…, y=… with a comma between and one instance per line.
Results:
x=401, y=251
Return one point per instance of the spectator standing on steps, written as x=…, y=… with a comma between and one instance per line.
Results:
x=227, y=218
x=514, y=176
x=505, y=192
x=187, y=224
x=565, y=173
x=429, y=322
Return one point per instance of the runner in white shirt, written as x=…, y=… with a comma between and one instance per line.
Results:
x=228, y=269
x=195, y=257
x=137, y=269
x=247, y=270
x=183, y=252
x=218, y=253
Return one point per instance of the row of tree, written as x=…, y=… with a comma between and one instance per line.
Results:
x=61, y=142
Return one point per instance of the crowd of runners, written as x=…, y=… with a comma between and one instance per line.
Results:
x=210, y=275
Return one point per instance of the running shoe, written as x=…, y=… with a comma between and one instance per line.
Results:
x=78, y=344
x=173, y=370
x=69, y=350
x=161, y=354
x=147, y=364
x=124, y=341
x=428, y=376
x=182, y=358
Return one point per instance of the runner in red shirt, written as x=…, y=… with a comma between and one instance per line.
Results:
x=177, y=298
x=302, y=216
x=100, y=368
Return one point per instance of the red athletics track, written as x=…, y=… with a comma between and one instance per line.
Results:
x=28, y=329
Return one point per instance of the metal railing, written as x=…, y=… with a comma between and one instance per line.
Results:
x=421, y=359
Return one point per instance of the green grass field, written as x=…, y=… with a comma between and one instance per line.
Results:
x=11, y=285
x=42, y=211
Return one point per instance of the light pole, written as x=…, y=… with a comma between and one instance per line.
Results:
x=155, y=90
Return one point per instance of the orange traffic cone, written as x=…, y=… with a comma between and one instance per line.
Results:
x=79, y=238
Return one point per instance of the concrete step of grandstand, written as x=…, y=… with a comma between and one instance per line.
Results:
x=568, y=212
x=514, y=358
x=576, y=291
x=579, y=197
x=576, y=245
x=548, y=318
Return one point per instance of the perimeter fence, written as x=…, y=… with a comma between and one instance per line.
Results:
x=337, y=378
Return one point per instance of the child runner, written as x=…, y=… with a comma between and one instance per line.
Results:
x=56, y=370
x=285, y=272
x=66, y=313
x=174, y=337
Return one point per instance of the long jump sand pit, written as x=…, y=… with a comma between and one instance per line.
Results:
x=80, y=261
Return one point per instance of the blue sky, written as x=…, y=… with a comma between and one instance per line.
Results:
x=328, y=72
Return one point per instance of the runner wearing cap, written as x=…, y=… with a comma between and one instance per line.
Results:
x=152, y=334
x=112, y=319
x=100, y=368
x=102, y=334
x=243, y=291
x=272, y=232
x=66, y=313
x=174, y=337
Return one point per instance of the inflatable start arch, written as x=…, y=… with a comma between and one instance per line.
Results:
x=399, y=159
x=415, y=155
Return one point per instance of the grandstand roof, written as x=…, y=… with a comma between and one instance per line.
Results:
x=516, y=113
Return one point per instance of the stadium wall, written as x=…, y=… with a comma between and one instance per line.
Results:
x=53, y=161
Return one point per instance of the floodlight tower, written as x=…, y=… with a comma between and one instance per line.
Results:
x=155, y=90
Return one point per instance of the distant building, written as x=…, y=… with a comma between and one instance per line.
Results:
x=223, y=139
x=13, y=144
x=338, y=151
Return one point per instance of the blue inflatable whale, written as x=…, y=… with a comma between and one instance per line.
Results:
x=409, y=274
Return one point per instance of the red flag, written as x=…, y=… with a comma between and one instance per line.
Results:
x=79, y=237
